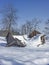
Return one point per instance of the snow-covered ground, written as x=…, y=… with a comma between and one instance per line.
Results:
x=29, y=55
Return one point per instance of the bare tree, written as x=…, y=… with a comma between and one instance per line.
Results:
x=26, y=28
x=9, y=17
x=46, y=30
x=29, y=26
x=23, y=29
x=35, y=24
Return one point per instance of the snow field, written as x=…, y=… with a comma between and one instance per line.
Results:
x=29, y=55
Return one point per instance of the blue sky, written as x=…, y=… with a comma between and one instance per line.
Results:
x=29, y=9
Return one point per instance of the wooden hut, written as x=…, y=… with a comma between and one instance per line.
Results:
x=11, y=41
x=33, y=33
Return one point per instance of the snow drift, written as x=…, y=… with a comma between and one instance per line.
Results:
x=29, y=55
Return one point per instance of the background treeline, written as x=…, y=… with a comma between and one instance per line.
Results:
x=9, y=23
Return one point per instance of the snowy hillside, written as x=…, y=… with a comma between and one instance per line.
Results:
x=29, y=55
x=33, y=42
